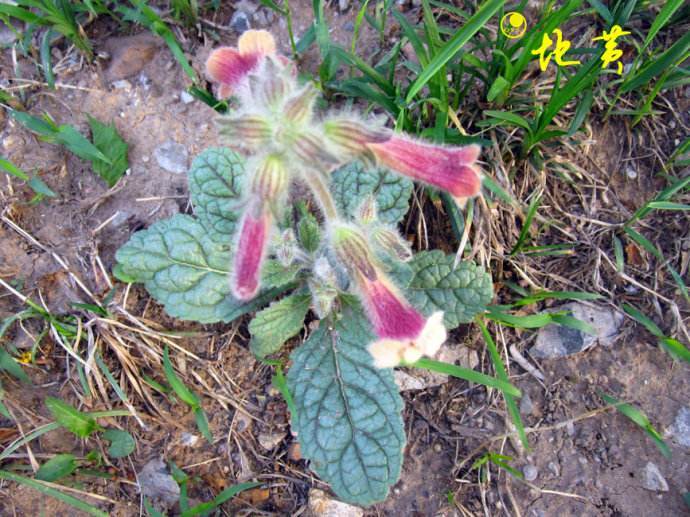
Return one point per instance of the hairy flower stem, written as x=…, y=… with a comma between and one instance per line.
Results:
x=322, y=195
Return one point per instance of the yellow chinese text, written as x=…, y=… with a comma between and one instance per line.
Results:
x=612, y=53
x=562, y=46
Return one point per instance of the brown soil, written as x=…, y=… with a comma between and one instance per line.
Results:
x=592, y=466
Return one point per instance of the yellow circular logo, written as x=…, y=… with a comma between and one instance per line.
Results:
x=513, y=25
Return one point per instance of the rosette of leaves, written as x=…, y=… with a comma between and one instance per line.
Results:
x=347, y=412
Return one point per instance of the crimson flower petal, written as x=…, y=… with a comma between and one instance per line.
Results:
x=448, y=168
x=251, y=251
x=389, y=313
x=228, y=67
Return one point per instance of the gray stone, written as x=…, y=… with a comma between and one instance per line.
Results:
x=172, y=157
x=553, y=467
x=680, y=430
x=526, y=404
x=157, y=485
x=186, y=97
x=246, y=6
x=530, y=472
x=320, y=505
x=189, y=439
x=270, y=441
x=407, y=382
x=652, y=479
x=559, y=341
x=349, y=26
x=260, y=18
x=7, y=36
x=122, y=84
x=343, y=5
x=240, y=22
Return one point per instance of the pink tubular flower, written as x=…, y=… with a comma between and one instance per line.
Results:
x=251, y=250
x=404, y=335
x=228, y=66
x=451, y=169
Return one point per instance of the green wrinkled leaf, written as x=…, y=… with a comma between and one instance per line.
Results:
x=348, y=417
x=107, y=140
x=75, y=421
x=352, y=184
x=460, y=294
x=121, y=443
x=57, y=467
x=186, y=270
x=215, y=185
x=277, y=323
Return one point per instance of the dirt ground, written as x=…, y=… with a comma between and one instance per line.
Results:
x=587, y=461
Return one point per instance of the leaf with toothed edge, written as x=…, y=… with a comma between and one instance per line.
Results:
x=274, y=325
x=348, y=417
x=352, y=184
x=186, y=270
x=215, y=186
x=460, y=293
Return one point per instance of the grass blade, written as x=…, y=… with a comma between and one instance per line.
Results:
x=524, y=232
x=662, y=18
x=176, y=383
x=453, y=46
x=469, y=375
x=669, y=58
x=46, y=63
x=639, y=418
x=501, y=373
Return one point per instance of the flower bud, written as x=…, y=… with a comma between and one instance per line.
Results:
x=452, y=169
x=271, y=178
x=250, y=250
x=366, y=212
x=352, y=136
x=274, y=87
x=352, y=250
x=311, y=149
x=249, y=131
x=298, y=109
x=390, y=241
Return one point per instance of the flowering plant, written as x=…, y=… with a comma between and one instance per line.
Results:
x=255, y=239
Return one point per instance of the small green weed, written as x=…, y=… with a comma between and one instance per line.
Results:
x=187, y=396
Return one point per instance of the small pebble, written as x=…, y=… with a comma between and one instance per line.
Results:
x=240, y=22
x=172, y=157
x=680, y=430
x=186, y=97
x=189, y=440
x=652, y=479
x=554, y=468
x=530, y=472
x=526, y=404
x=122, y=84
